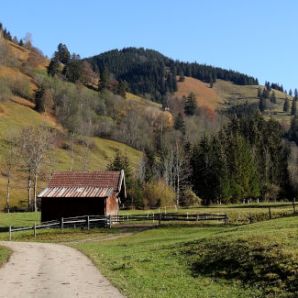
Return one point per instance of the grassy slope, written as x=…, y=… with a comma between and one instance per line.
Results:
x=235, y=94
x=205, y=96
x=224, y=94
x=164, y=262
x=15, y=116
x=18, y=112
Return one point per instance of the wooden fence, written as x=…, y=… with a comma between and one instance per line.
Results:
x=89, y=221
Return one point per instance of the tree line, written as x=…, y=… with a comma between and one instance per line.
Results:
x=151, y=74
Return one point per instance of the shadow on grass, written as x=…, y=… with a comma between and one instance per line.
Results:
x=264, y=266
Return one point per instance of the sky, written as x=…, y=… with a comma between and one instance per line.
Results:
x=257, y=37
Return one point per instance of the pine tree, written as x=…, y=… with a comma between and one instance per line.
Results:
x=122, y=88
x=210, y=81
x=53, y=67
x=273, y=97
x=190, y=104
x=262, y=104
x=62, y=53
x=39, y=100
x=179, y=123
x=104, y=82
x=286, y=106
x=73, y=70
x=294, y=107
x=119, y=163
x=265, y=93
x=290, y=92
x=259, y=95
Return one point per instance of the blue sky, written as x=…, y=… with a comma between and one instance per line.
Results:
x=259, y=38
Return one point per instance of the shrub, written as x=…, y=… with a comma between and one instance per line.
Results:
x=158, y=194
x=189, y=198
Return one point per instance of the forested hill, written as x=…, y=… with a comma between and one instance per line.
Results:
x=148, y=72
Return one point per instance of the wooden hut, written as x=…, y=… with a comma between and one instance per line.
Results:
x=82, y=193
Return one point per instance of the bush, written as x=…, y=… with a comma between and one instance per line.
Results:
x=158, y=194
x=189, y=198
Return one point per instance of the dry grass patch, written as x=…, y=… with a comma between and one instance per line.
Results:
x=206, y=96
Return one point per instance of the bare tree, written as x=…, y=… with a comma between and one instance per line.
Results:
x=9, y=162
x=35, y=143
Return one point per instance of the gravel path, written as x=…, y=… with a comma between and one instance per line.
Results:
x=42, y=270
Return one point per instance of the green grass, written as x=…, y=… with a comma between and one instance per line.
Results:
x=204, y=260
x=214, y=261
x=19, y=219
x=237, y=213
x=4, y=255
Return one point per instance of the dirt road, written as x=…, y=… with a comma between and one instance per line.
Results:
x=42, y=270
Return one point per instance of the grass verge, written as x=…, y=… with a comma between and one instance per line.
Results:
x=4, y=255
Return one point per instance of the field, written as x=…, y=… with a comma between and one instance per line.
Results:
x=238, y=213
x=203, y=260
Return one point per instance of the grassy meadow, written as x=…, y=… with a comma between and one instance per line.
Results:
x=203, y=260
x=257, y=260
x=238, y=213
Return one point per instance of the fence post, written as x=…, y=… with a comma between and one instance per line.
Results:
x=294, y=209
x=34, y=230
x=270, y=215
x=159, y=218
x=61, y=223
x=153, y=217
x=9, y=233
x=110, y=221
x=187, y=216
x=88, y=223
x=197, y=217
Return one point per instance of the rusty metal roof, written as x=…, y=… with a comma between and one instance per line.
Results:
x=76, y=192
x=84, y=184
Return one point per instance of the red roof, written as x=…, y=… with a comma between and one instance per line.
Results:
x=84, y=184
x=84, y=179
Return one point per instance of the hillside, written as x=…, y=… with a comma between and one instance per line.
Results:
x=17, y=112
x=226, y=94
x=151, y=74
x=206, y=96
x=132, y=101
